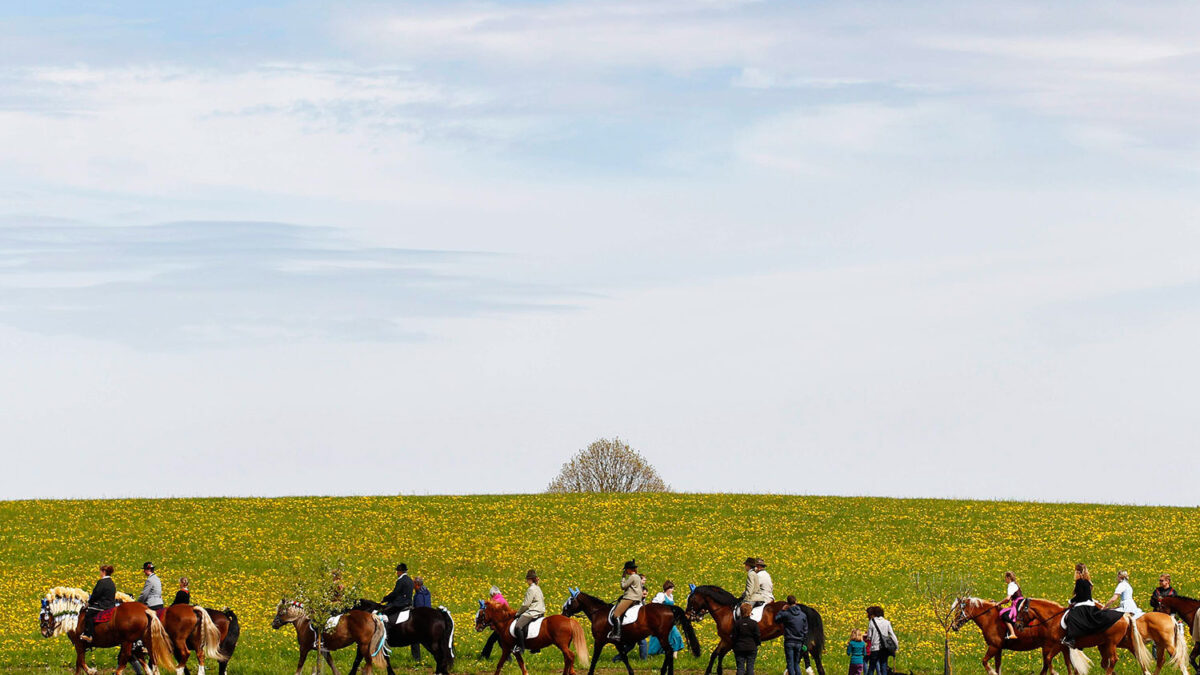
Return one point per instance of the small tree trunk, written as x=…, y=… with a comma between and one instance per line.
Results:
x=320, y=655
x=946, y=669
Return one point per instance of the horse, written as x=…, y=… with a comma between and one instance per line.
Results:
x=1186, y=607
x=720, y=603
x=654, y=620
x=986, y=615
x=356, y=627
x=1124, y=633
x=1168, y=637
x=560, y=631
x=130, y=622
x=209, y=633
x=429, y=627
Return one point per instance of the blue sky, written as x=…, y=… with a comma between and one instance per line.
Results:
x=876, y=248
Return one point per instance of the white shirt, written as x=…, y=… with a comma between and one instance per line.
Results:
x=660, y=598
x=1125, y=592
x=1012, y=588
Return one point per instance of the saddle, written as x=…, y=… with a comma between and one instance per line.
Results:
x=531, y=631
x=631, y=615
x=395, y=619
x=106, y=615
x=756, y=612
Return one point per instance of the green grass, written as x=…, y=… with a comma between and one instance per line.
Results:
x=837, y=554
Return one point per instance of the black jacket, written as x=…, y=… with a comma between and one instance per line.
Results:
x=182, y=598
x=795, y=624
x=401, y=596
x=104, y=595
x=1083, y=591
x=746, y=636
x=1160, y=592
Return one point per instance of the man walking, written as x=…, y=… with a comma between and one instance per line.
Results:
x=421, y=598
x=795, y=634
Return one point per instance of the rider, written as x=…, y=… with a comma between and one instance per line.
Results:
x=1164, y=590
x=1122, y=598
x=631, y=585
x=151, y=595
x=1084, y=618
x=401, y=596
x=103, y=597
x=1014, y=597
x=533, y=607
x=183, y=596
x=752, y=582
x=766, y=587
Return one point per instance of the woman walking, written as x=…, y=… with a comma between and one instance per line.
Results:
x=881, y=640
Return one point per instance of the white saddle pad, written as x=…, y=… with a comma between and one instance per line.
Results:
x=531, y=631
x=332, y=622
x=402, y=617
x=757, y=612
x=631, y=615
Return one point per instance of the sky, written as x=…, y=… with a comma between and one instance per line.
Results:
x=854, y=248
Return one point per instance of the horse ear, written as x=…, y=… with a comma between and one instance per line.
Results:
x=480, y=604
x=692, y=587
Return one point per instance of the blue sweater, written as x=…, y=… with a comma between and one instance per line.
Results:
x=857, y=649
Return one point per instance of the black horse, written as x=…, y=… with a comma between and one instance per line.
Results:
x=720, y=604
x=429, y=627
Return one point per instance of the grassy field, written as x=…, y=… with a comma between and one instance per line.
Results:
x=837, y=554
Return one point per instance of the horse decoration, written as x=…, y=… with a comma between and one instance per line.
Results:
x=1186, y=608
x=558, y=631
x=123, y=626
x=432, y=628
x=362, y=629
x=721, y=605
x=209, y=633
x=653, y=620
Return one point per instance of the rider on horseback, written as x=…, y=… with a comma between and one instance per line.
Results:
x=752, y=582
x=533, y=607
x=766, y=587
x=631, y=585
x=104, y=597
x=1014, y=597
x=151, y=595
x=401, y=596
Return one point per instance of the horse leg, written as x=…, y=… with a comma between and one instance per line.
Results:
x=564, y=645
x=999, y=656
x=303, y=658
x=987, y=660
x=624, y=654
x=816, y=658
x=505, y=653
x=721, y=659
x=668, y=666
x=123, y=656
x=329, y=659
x=358, y=657
x=598, y=647
x=521, y=664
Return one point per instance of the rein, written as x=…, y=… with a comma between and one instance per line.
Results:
x=1045, y=620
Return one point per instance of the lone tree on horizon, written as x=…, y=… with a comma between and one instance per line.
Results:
x=608, y=466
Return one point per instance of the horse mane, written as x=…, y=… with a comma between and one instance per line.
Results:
x=973, y=602
x=502, y=609
x=717, y=594
x=1186, y=598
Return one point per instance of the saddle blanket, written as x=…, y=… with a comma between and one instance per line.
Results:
x=631, y=615
x=106, y=615
x=757, y=612
x=332, y=623
x=531, y=631
x=400, y=617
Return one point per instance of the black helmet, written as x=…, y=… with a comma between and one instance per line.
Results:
x=401, y=567
x=631, y=565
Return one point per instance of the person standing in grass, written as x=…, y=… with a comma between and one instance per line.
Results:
x=856, y=649
x=666, y=597
x=746, y=638
x=421, y=598
x=496, y=597
x=882, y=639
x=795, y=634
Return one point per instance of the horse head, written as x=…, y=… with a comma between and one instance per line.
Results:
x=288, y=611
x=697, y=604
x=573, y=605
x=481, y=618
x=46, y=620
x=959, y=611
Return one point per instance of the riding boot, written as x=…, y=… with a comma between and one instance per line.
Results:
x=89, y=627
x=520, y=646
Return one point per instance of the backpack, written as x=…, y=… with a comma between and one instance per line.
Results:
x=887, y=644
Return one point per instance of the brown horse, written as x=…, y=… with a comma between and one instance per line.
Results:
x=195, y=629
x=986, y=615
x=560, y=631
x=654, y=620
x=720, y=603
x=1186, y=608
x=130, y=622
x=356, y=627
x=1124, y=633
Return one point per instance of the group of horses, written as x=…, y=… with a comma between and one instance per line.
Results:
x=1039, y=626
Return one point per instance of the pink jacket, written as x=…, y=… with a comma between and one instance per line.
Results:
x=500, y=599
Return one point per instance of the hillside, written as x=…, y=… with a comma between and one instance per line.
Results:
x=837, y=554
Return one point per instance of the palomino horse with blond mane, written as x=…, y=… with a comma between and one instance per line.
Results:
x=1125, y=633
x=1186, y=608
x=558, y=631
x=362, y=629
x=209, y=633
x=122, y=626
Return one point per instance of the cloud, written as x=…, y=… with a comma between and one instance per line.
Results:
x=191, y=284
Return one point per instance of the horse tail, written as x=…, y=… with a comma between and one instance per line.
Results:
x=210, y=635
x=231, y=635
x=1180, y=656
x=160, y=643
x=449, y=637
x=816, y=630
x=579, y=643
x=1079, y=661
x=689, y=631
x=378, y=644
x=1139, y=646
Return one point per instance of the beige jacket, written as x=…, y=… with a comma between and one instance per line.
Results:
x=632, y=585
x=534, y=603
x=766, y=588
x=751, y=594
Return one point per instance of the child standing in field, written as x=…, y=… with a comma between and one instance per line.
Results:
x=857, y=650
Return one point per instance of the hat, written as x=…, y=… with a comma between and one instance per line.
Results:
x=148, y=566
x=631, y=565
x=531, y=574
x=751, y=561
x=759, y=562
x=401, y=567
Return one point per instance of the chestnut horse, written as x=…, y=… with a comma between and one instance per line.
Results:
x=986, y=615
x=654, y=620
x=62, y=609
x=209, y=633
x=559, y=631
x=1186, y=607
x=1124, y=633
x=356, y=627
x=720, y=603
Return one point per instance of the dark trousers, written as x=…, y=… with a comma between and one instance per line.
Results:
x=877, y=662
x=745, y=663
x=487, y=646
x=793, y=652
